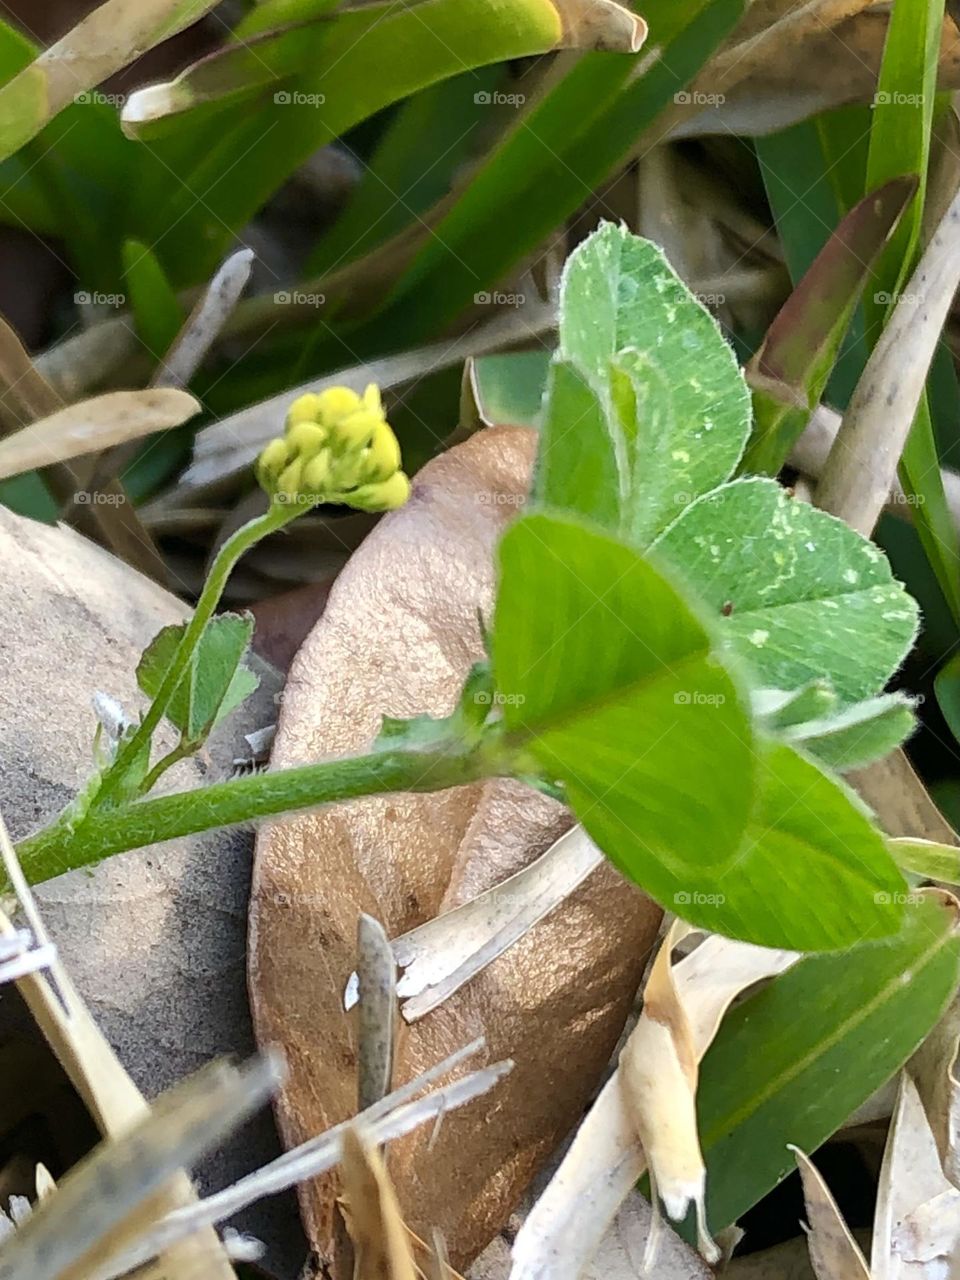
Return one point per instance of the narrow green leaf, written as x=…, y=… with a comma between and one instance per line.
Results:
x=900, y=134
x=563, y=145
x=779, y=1070
x=243, y=156
x=156, y=309
x=800, y=595
x=789, y=372
x=396, y=186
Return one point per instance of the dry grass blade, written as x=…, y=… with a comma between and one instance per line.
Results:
x=26, y=393
x=384, y=1122
x=93, y=425
x=117, y=1191
x=813, y=448
x=833, y=1251
x=862, y=465
x=601, y=24
x=380, y=1239
x=565, y=1227
x=440, y=956
x=205, y=321
x=376, y=970
x=90, y=1063
x=105, y=42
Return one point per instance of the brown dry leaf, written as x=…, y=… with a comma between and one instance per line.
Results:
x=934, y=1068
x=658, y=1076
x=833, y=1251
x=565, y=1228
x=788, y=61
x=601, y=24
x=93, y=425
x=659, y=1065
x=381, y=1243
x=916, y=1233
x=398, y=636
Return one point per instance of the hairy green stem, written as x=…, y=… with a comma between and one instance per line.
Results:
x=245, y=537
x=224, y=804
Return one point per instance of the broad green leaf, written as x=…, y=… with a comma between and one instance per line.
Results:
x=858, y=734
x=813, y=873
x=610, y=685
x=688, y=418
x=791, y=1063
x=577, y=468
x=800, y=595
x=156, y=310
x=216, y=682
x=789, y=372
x=928, y=859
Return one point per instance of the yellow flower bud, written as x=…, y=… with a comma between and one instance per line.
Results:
x=335, y=403
x=356, y=430
x=372, y=400
x=306, y=438
x=271, y=462
x=305, y=408
x=385, y=495
x=316, y=473
x=288, y=485
x=382, y=458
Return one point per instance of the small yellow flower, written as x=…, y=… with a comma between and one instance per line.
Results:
x=335, y=403
x=337, y=447
x=304, y=409
x=306, y=438
x=288, y=483
x=384, y=495
x=382, y=458
x=316, y=473
x=271, y=462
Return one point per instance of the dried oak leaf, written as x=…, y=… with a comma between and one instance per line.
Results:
x=397, y=638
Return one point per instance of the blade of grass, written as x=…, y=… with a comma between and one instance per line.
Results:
x=558, y=153
x=246, y=156
x=789, y=372
x=900, y=136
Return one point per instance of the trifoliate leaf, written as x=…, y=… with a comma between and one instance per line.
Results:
x=215, y=683
x=799, y=594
